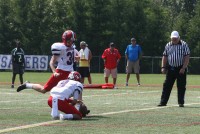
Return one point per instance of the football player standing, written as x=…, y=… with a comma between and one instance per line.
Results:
x=18, y=62
x=64, y=55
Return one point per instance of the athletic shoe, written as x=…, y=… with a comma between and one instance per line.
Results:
x=161, y=105
x=181, y=105
x=22, y=87
x=115, y=87
x=127, y=84
x=12, y=86
x=138, y=84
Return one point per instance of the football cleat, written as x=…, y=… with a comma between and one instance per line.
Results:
x=181, y=105
x=22, y=87
x=161, y=105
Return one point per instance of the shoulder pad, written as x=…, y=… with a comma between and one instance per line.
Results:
x=56, y=48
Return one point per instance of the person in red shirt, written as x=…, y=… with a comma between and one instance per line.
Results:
x=111, y=58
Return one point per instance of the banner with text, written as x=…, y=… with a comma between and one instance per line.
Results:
x=32, y=62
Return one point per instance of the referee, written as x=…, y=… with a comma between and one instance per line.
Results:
x=174, y=63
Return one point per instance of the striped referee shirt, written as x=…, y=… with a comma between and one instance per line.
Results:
x=176, y=53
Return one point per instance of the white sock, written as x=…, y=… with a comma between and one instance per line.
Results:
x=54, y=110
x=66, y=116
x=29, y=85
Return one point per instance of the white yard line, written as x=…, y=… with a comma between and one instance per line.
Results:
x=8, y=101
x=143, y=109
x=14, y=108
x=29, y=126
x=109, y=113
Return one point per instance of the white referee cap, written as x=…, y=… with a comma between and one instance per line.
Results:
x=175, y=34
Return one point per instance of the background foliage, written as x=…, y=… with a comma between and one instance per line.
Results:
x=39, y=23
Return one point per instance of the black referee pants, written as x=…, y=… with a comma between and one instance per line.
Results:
x=172, y=76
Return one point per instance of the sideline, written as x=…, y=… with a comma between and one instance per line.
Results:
x=109, y=113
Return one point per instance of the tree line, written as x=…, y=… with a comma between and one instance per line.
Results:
x=40, y=23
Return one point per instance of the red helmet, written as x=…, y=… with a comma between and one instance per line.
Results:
x=74, y=76
x=68, y=35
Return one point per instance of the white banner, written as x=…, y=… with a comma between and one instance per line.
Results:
x=32, y=62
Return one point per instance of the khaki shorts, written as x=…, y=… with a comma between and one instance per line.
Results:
x=133, y=65
x=113, y=72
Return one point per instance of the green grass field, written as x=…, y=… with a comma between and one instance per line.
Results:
x=127, y=110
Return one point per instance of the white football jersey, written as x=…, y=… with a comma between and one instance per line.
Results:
x=66, y=56
x=66, y=89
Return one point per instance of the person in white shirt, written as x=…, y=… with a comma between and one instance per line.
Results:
x=64, y=55
x=84, y=63
x=60, y=99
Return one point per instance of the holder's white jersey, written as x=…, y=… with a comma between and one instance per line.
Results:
x=66, y=56
x=66, y=89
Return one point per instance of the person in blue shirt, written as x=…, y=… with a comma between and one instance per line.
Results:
x=133, y=54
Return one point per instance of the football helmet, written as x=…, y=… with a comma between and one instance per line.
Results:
x=74, y=76
x=67, y=36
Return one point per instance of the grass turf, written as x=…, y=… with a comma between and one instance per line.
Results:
x=125, y=110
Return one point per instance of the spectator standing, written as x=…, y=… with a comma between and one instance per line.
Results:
x=133, y=53
x=64, y=54
x=18, y=63
x=176, y=56
x=111, y=58
x=84, y=63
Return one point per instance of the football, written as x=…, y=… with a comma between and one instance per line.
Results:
x=83, y=109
